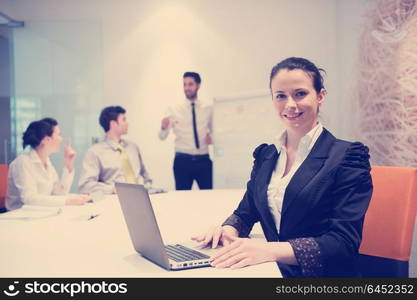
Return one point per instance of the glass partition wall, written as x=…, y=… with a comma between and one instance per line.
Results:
x=57, y=72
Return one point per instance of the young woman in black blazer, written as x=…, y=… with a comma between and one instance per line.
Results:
x=310, y=191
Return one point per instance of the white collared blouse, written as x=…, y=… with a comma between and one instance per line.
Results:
x=32, y=183
x=279, y=183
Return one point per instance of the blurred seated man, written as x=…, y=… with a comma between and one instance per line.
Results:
x=114, y=159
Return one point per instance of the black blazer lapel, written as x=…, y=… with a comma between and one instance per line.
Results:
x=262, y=181
x=308, y=169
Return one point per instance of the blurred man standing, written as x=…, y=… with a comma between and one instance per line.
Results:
x=191, y=122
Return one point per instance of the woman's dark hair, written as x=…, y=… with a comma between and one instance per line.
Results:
x=307, y=66
x=194, y=75
x=110, y=113
x=37, y=130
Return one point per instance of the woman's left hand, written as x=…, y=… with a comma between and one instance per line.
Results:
x=244, y=252
x=69, y=156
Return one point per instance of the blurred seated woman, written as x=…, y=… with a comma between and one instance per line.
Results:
x=33, y=179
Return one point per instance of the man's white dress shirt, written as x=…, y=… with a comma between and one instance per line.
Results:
x=181, y=122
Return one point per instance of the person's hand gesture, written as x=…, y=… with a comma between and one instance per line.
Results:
x=77, y=199
x=165, y=123
x=209, y=140
x=69, y=156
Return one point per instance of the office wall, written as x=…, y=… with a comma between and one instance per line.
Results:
x=6, y=83
x=147, y=45
x=351, y=16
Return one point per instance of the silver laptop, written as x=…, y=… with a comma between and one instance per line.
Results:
x=146, y=237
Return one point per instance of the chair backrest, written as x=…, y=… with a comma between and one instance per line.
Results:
x=4, y=169
x=389, y=221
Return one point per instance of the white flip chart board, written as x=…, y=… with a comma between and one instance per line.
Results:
x=240, y=124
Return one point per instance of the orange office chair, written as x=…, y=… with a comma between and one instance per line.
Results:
x=389, y=223
x=4, y=169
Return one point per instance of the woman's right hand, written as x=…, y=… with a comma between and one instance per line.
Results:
x=218, y=235
x=77, y=199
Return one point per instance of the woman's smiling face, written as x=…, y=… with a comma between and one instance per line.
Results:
x=295, y=100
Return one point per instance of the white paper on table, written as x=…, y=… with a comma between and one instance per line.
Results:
x=30, y=212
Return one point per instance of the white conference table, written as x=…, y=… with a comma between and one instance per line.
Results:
x=70, y=245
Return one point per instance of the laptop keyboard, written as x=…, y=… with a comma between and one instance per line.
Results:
x=180, y=253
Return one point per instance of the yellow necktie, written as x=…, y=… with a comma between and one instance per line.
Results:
x=126, y=166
